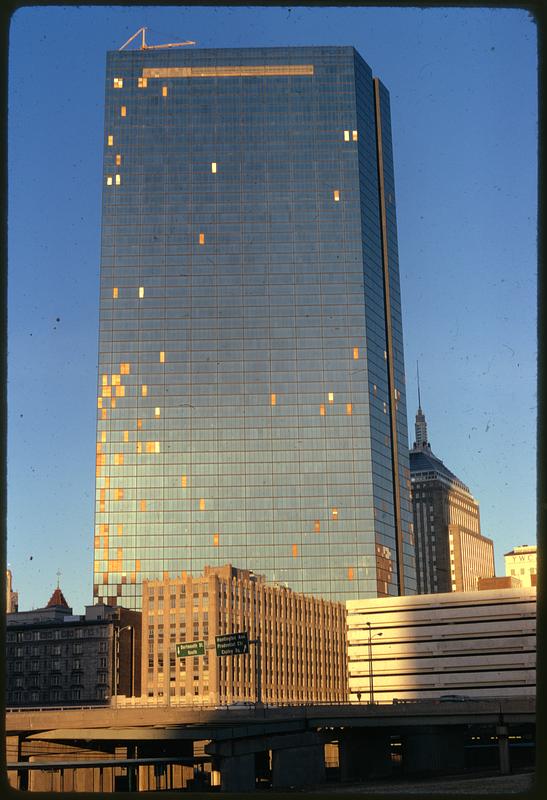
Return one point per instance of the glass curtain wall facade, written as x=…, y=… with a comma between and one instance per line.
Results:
x=251, y=398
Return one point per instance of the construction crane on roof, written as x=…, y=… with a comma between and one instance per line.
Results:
x=145, y=46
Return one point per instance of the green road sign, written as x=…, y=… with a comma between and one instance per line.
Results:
x=232, y=644
x=185, y=649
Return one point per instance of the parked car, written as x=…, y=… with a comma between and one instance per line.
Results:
x=454, y=698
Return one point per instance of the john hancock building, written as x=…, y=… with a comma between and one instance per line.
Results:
x=251, y=391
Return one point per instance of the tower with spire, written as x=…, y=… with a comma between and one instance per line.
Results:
x=451, y=553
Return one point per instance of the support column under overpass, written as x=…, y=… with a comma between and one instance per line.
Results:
x=364, y=754
x=298, y=766
x=433, y=748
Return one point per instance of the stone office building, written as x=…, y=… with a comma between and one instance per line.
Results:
x=57, y=658
x=451, y=553
x=302, y=640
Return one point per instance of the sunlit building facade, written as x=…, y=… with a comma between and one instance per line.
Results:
x=251, y=390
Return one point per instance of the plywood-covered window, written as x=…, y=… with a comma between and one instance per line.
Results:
x=349, y=409
x=118, y=83
x=157, y=412
x=162, y=356
x=183, y=481
x=273, y=399
x=110, y=140
x=317, y=526
x=142, y=83
x=164, y=91
x=354, y=135
x=336, y=194
x=294, y=550
x=141, y=292
x=355, y=353
x=142, y=505
x=144, y=390
x=202, y=504
x=115, y=293
x=215, y=539
x=322, y=411
x=213, y=166
x=346, y=136
x=123, y=111
x=331, y=398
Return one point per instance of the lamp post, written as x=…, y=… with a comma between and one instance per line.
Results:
x=116, y=643
x=370, y=670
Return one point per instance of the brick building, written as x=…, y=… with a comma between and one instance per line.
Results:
x=303, y=640
x=55, y=657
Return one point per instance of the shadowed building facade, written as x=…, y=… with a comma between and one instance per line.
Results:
x=251, y=391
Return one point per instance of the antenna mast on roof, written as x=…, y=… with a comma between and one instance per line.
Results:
x=145, y=46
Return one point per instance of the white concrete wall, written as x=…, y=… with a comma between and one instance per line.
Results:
x=477, y=644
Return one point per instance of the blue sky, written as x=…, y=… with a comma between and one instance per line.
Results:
x=464, y=114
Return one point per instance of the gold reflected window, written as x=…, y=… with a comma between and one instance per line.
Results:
x=183, y=481
x=119, y=530
x=350, y=573
x=142, y=505
x=141, y=292
x=142, y=83
x=157, y=412
x=115, y=293
x=317, y=526
x=109, y=180
x=156, y=447
x=118, y=459
x=331, y=398
x=164, y=91
x=202, y=238
x=113, y=402
x=346, y=136
x=118, y=159
x=334, y=513
x=349, y=409
x=105, y=380
x=354, y=135
x=355, y=353
x=120, y=391
x=202, y=504
x=162, y=356
x=144, y=390
x=115, y=380
x=273, y=399
x=118, y=494
x=126, y=436
x=107, y=392
x=294, y=550
x=215, y=539
x=118, y=83
x=103, y=436
x=336, y=195
x=99, y=402
x=110, y=140
x=213, y=166
x=123, y=111
x=118, y=180
x=103, y=413
x=322, y=410
x=139, y=424
x=125, y=368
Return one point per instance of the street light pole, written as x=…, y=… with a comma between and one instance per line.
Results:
x=370, y=669
x=116, y=643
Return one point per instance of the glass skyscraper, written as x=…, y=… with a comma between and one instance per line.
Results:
x=251, y=390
